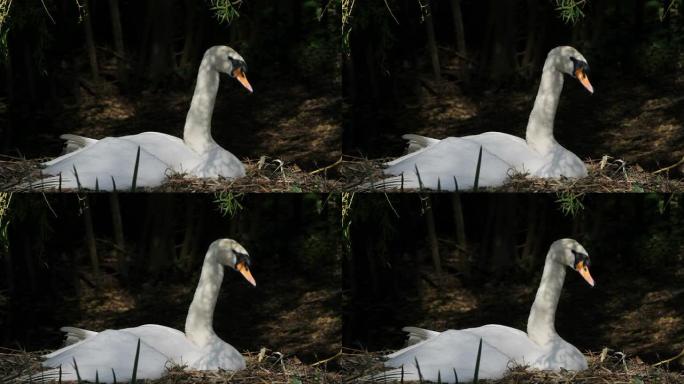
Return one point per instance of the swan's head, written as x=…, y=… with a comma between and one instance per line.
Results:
x=568, y=60
x=230, y=253
x=572, y=254
x=225, y=59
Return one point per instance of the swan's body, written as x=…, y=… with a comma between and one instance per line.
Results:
x=199, y=348
x=440, y=162
x=197, y=154
x=440, y=353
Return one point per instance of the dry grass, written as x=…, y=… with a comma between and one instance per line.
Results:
x=354, y=173
x=608, y=175
x=264, y=175
x=604, y=367
x=262, y=367
x=271, y=367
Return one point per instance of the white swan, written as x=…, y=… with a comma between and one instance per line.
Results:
x=440, y=162
x=110, y=162
x=440, y=353
x=199, y=348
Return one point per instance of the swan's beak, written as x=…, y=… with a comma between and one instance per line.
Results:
x=242, y=268
x=584, y=272
x=242, y=78
x=583, y=79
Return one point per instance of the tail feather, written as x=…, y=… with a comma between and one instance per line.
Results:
x=74, y=335
x=417, y=142
x=48, y=183
x=416, y=335
x=393, y=375
x=50, y=375
x=75, y=142
x=72, y=338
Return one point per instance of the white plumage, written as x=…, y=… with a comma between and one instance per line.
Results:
x=439, y=354
x=199, y=348
x=440, y=162
x=109, y=163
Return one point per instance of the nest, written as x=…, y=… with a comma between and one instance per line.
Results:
x=605, y=175
x=608, y=366
x=262, y=367
x=263, y=175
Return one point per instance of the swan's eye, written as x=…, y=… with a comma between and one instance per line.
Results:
x=242, y=266
x=581, y=260
x=237, y=64
x=242, y=258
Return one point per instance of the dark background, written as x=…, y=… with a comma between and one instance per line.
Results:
x=635, y=56
x=491, y=274
x=48, y=278
x=291, y=49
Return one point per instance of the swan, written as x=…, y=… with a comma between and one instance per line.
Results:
x=439, y=354
x=199, y=348
x=109, y=163
x=451, y=163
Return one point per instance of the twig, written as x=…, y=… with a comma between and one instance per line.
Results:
x=47, y=11
x=338, y=354
x=675, y=165
x=338, y=162
x=390, y=12
x=681, y=354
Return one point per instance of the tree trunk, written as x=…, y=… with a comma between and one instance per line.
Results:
x=90, y=241
x=527, y=62
x=118, y=42
x=190, y=32
x=536, y=225
x=463, y=263
x=195, y=251
x=189, y=238
x=9, y=269
x=410, y=31
x=498, y=58
x=458, y=219
x=432, y=234
x=90, y=43
x=29, y=70
x=6, y=142
x=432, y=43
x=498, y=248
x=29, y=262
x=160, y=53
x=120, y=250
x=459, y=31
x=161, y=242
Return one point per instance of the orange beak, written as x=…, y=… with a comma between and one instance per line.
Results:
x=242, y=78
x=582, y=77
x=242, y=268
x=584, y=272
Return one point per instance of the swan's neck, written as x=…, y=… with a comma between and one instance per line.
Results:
x=198, y=325
x=197, y=131
x=539, y=133
x=540, y=324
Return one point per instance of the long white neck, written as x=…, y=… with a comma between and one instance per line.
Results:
x=540, y=324
x=539, y=134
x=198, y=325
x=197, y=131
